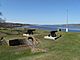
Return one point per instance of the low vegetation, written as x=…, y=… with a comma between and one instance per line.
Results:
x=66, y=47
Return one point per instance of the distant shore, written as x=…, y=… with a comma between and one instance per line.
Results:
x=12, y=25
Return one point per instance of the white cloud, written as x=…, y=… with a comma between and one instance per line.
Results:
x=15, y=21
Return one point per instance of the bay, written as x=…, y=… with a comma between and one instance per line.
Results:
x=72, y=28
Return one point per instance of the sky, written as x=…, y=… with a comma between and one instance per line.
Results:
x=41, y=11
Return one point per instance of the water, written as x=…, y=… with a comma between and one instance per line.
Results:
x=72, y=28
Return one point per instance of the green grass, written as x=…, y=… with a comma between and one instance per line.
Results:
x=65, y=48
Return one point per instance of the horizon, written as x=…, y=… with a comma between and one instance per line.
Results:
x=49, y=12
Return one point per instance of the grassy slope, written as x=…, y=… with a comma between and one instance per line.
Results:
x=65, y=48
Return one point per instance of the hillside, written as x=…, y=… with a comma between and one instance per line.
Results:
x=65, y=48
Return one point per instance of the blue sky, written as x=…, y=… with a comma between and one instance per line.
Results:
x=41, y=11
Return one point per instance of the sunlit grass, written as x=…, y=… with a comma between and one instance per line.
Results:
x=66, y=47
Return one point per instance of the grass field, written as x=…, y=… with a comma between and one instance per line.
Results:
x=66, y=47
